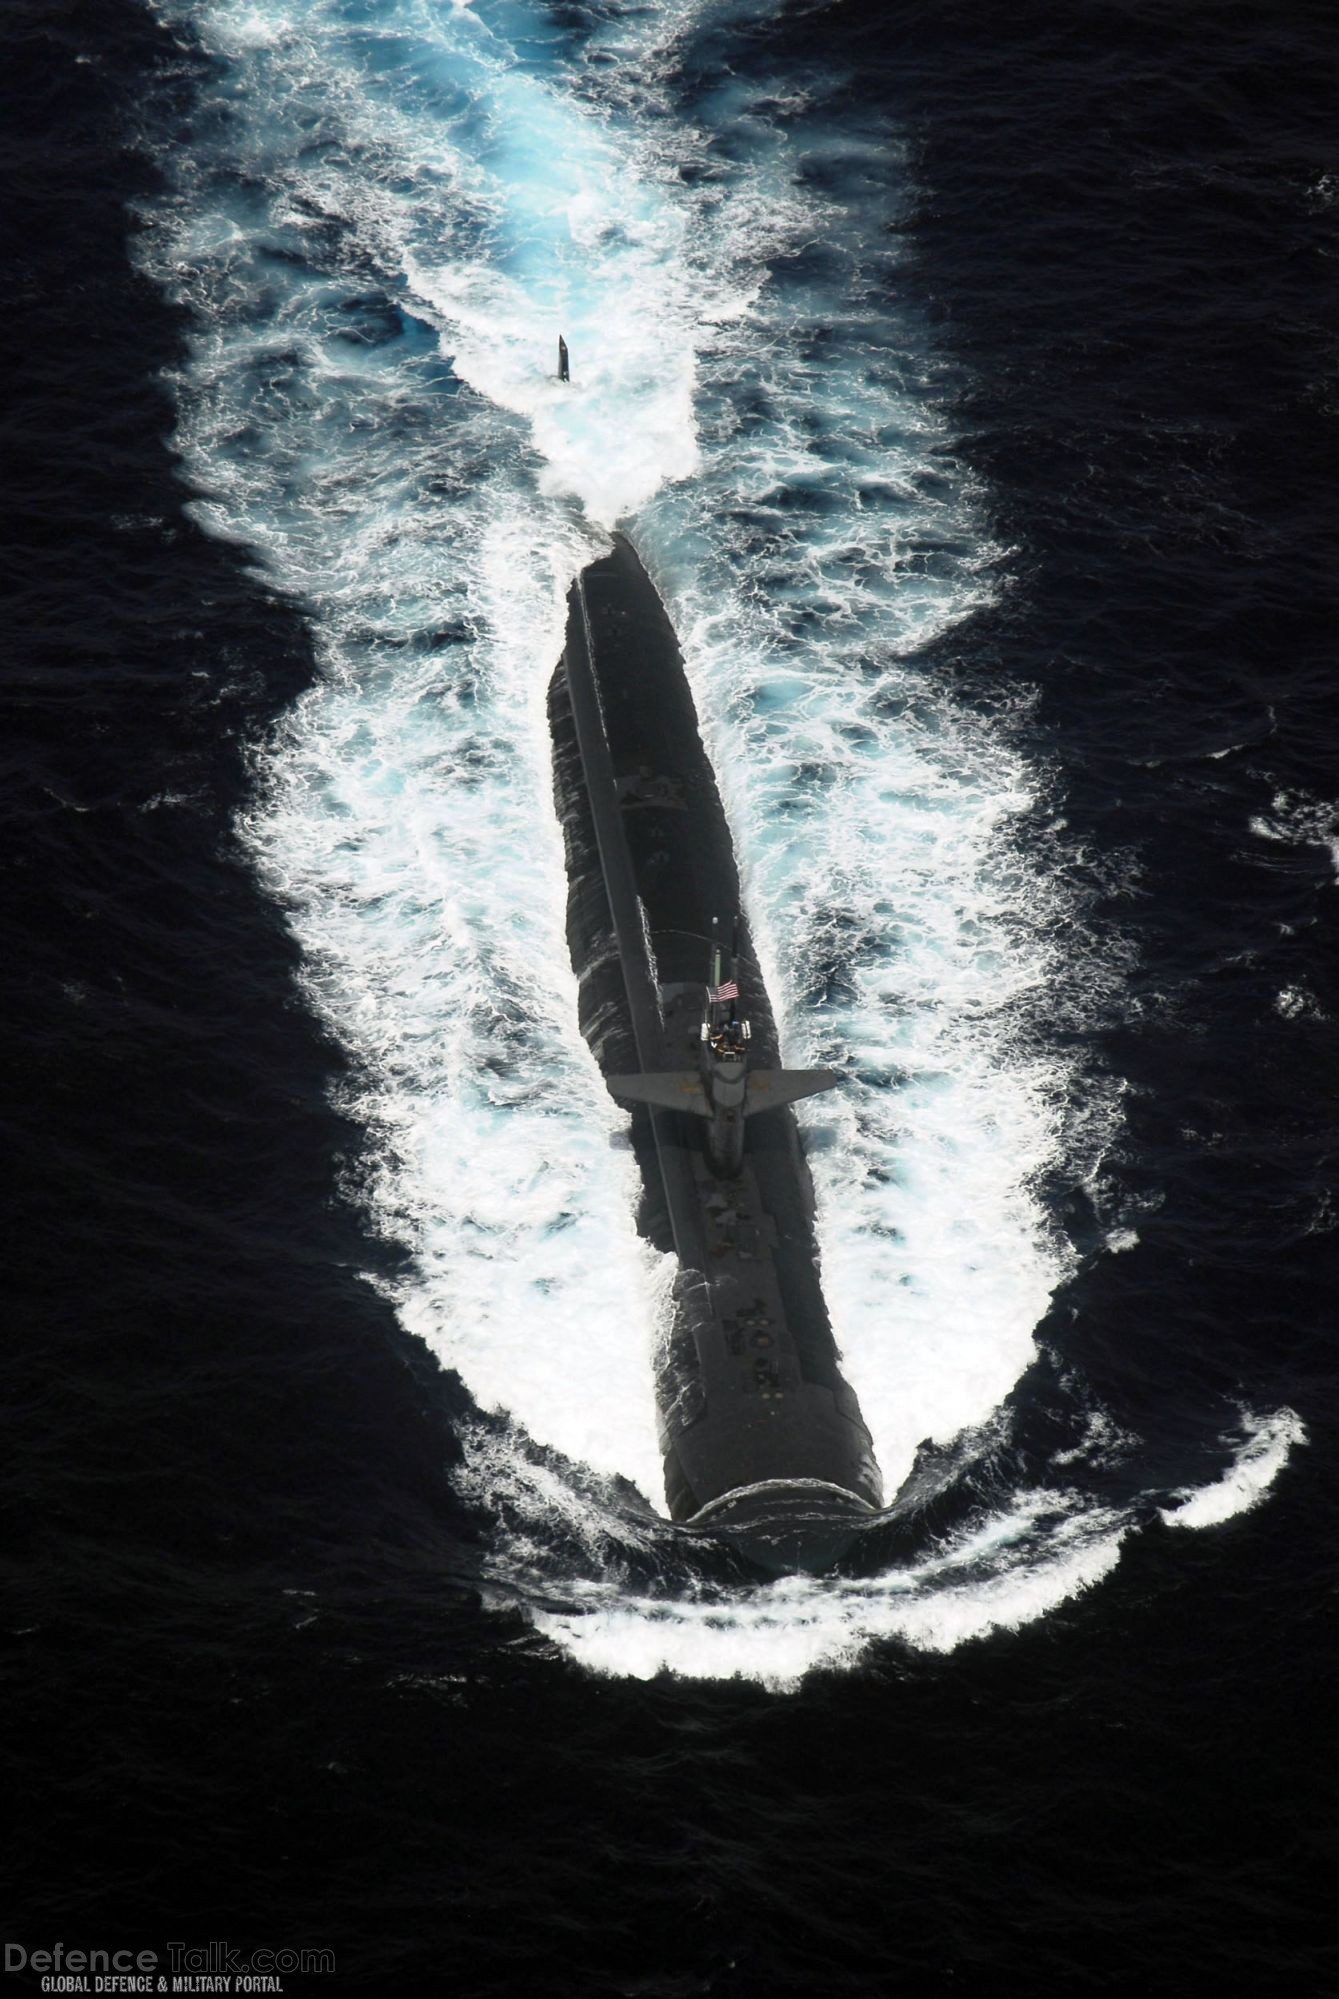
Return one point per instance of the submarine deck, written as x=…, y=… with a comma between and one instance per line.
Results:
x=751, y=1392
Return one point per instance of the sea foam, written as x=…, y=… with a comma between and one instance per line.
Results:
x=381, y=220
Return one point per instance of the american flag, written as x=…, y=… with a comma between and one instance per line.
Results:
x=729, y=991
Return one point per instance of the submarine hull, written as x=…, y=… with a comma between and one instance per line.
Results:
x=763, y=1441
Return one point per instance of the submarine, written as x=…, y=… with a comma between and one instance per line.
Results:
x=763, y=1441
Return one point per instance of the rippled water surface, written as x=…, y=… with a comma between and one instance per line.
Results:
x=967, y=392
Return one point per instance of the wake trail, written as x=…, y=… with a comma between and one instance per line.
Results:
x=380, y=221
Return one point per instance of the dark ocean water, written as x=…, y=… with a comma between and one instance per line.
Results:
x=261, y=1680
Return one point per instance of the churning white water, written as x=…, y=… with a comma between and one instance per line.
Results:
x=382, y=218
